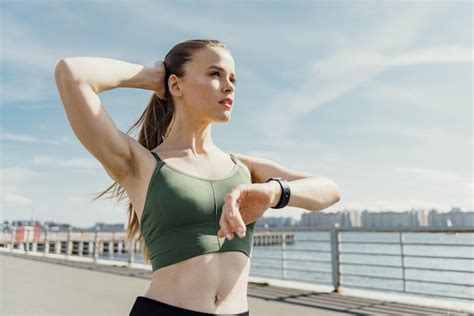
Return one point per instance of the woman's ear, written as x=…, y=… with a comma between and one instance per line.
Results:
x=174, y=85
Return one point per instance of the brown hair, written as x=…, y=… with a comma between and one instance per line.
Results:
x=155, y=123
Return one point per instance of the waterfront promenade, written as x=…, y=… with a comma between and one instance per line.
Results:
x=45, y=286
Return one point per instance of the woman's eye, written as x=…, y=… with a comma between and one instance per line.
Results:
x=233, y=80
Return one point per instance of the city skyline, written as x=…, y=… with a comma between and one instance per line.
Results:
x=345, y=219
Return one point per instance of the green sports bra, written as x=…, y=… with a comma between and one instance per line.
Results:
x=181, y=215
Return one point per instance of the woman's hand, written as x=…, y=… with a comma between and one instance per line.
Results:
x=159, y=72
x=245, y=204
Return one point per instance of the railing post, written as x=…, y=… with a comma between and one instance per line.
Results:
x=27, y=233
x=283, y=257
x=96, y=244
x=112, y=247
x=13, y=238
x=335, y=258
x=403, y=261
x=68, y=242
x=80, y=247
x=131, y=252
x=46, y=242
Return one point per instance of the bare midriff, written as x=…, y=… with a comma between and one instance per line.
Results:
x=210, y=283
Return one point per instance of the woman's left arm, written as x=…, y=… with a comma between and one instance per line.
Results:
x=311, y=193
x=307, y=191
x=246, y=203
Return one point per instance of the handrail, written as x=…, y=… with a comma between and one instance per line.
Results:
x=335, y=262
x=344, y=237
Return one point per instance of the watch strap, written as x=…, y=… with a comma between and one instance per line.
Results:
x=285, y=193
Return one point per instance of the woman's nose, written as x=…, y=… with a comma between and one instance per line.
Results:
x=229, y=86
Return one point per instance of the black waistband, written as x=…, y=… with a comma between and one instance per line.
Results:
x=145, y=306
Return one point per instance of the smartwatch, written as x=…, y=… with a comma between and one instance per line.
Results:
x=285, y=194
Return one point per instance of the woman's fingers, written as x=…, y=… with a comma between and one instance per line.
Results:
x=159, y=74
x=226, y=229
x=232, y=216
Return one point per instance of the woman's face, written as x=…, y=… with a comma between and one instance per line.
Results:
x=203, y=86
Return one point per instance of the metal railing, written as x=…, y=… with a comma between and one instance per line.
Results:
x=288, y=255
x=436, y=263
x=430, y=262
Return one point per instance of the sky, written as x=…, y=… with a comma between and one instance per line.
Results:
x=374, y=95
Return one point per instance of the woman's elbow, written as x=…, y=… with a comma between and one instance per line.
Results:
x=337, y=192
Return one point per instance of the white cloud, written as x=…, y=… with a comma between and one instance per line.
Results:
x=388, y=45
x=418, y=94
x=435, y=175
x=22, y=50
x=30, y=139
x=17, y=199
x=437, y=135
x=434, y=55
x=20, y=138
x=33, y=58
x=19, y=175
x=44, y=160
x=77, y=199
x=13, y=181
x=79, y=163
x=341, y=73
x=85, y=163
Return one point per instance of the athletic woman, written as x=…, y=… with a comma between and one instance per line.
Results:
x=185, y=193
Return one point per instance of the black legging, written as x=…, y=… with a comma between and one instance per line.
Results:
x=145, y=306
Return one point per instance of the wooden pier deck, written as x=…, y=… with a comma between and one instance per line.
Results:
x=46, y=286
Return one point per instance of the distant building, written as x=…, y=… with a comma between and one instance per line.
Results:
x=422, y=218
x=53, y=226
x=25, y=223
x=454, y=218
x=325, y=220
x=355, y=218
x=104, y=227
x=389, y=219
x=276, y=222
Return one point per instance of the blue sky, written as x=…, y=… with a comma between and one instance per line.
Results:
x=376, y=95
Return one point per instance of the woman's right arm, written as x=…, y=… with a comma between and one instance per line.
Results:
x=79, y=81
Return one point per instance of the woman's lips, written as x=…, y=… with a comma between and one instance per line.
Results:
x=228, y=100
x=227, y=105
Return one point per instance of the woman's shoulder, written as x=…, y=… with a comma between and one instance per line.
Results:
x=245, y=161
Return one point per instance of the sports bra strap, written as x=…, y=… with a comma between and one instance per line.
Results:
x=234, y=159
x=155, y=155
